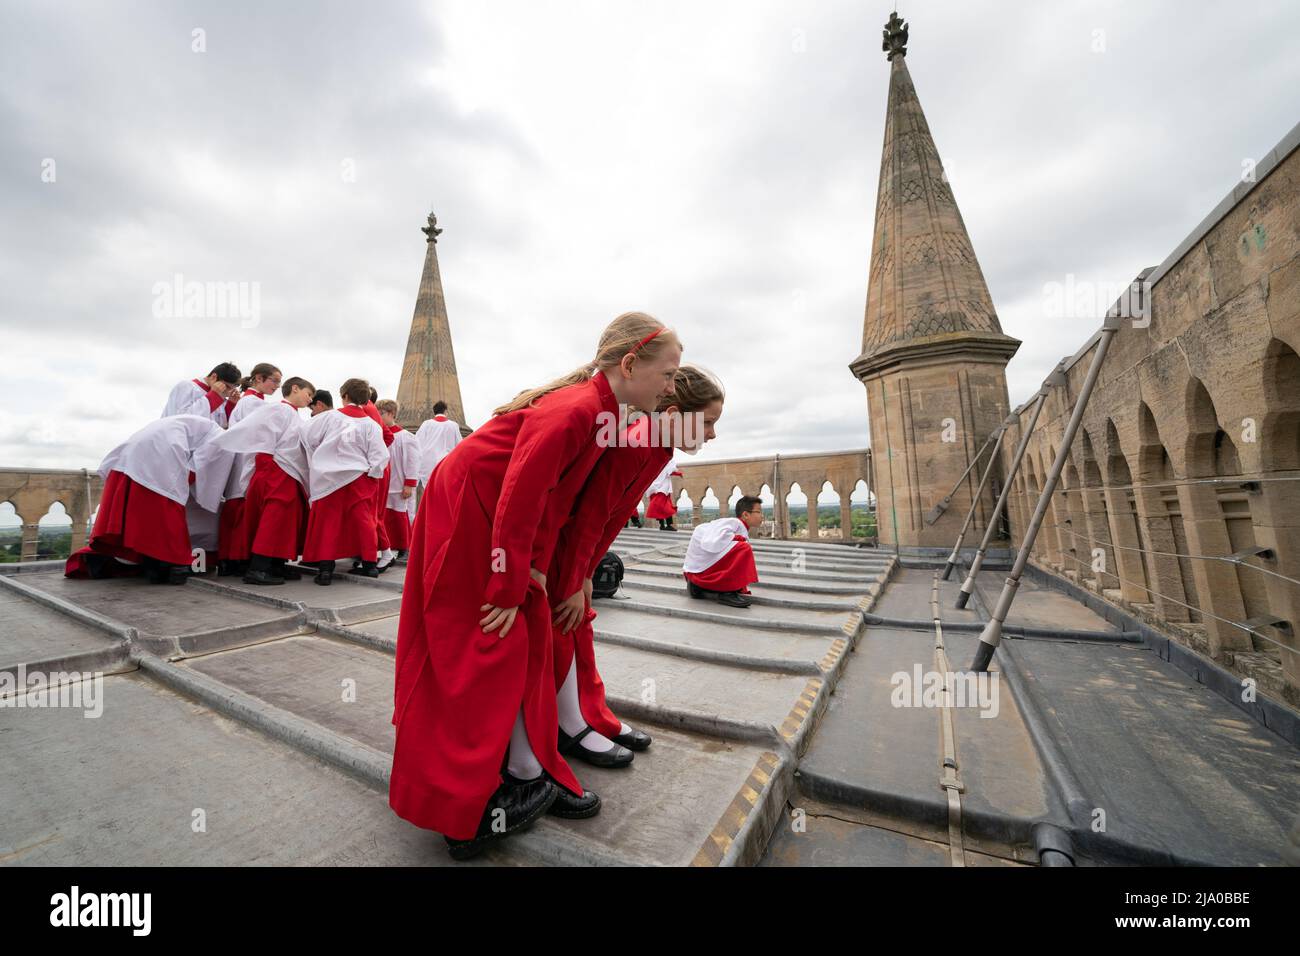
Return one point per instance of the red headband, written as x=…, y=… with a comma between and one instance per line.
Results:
x=662, y=328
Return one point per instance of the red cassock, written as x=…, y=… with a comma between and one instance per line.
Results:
x=381, y=493
x=134, y=523
x=398, y=526
x=232, y=535
x=609, y=498
x=660, y=506
x=232, y=539
x=381, y=506
x=492, y=510
x=342, y=524
x=734, y=571
x=275, y=513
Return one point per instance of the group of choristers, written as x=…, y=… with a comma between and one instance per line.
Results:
x=229, y=469
x=496, y=687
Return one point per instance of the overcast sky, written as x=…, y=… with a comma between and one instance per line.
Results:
x=712, y=163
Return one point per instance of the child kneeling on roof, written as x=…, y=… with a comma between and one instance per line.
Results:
x=719, y=560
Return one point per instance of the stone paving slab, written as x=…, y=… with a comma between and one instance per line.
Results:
x=637, y=582
x=306, y=676
x=680, y=802
x=384, y=628
x=122, y=789
x=680, y=600
x=818, y=556
x=31, y=632
x=682, y=535
x=781, y=568
x=342, y=601
x=780, y=653
x=160, y=610
x=676, y=798
x=804, y=583
x=674, y=689
x=625, y=617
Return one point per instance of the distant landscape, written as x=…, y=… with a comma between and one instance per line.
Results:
x=52, y=543
x=828, y=518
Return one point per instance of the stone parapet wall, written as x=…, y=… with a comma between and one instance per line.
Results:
x=1188, y=458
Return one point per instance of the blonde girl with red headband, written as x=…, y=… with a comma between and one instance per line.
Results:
x=476, y=753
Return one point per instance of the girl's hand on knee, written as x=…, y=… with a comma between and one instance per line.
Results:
x=570, y=611
x=503, y=617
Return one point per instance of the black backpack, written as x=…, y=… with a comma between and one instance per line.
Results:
x=608, y=576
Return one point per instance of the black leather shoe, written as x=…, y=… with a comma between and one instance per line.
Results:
x=616, y=756
x=733, y=599
x=262, y=577
x=636, y=740
x=365, y=571
x=514, y=806
x=569, y=807
x=226, y=569
x=324, y=577
x=695, y=590
x=290, y=574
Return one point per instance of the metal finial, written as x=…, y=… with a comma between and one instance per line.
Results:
x=431, y=230
x=895, y=37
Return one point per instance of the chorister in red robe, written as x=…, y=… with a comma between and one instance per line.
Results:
x=492, y=511
x=147, y=483
x=399, y=512
x=381, y=487
x=437, y=436
x=719, y=557
x=232, y=539
x=196, y=397
x=274, y=512
x=660, y=506
x=609, y=498
x=347, y=457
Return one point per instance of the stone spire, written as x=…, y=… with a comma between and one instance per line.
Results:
x=933, y=356
x=429, y=370
x=925, y=290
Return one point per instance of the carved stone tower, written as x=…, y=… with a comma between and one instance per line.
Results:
x=933, y=354
x=429, y=370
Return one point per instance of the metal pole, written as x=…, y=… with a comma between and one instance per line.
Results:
x=992, y=633
x=979, y=492
x=942, y=506
x=968, y=585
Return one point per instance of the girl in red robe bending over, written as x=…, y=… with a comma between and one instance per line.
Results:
x=589, y=731
x=475, y=756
